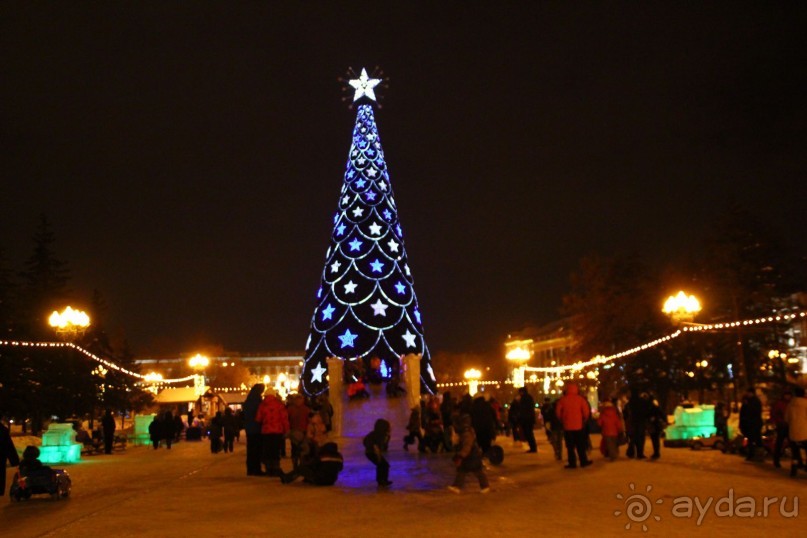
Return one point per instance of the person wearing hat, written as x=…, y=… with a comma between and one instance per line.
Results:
x=375, y=445
x=468, y=457
x=274, y=421
x=573, y=412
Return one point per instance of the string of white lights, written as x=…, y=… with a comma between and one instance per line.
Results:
x=600, y=359
x=575, y=367
x=93, y=356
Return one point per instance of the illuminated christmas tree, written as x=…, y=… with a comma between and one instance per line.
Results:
x=367, y=312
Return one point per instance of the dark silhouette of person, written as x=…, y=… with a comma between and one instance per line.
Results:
x=318, y=466
x=375, y=445
x=483, y=420
x=108, y=427
x=637, y=413
x=7, y=454
x=253, y=429
x=526, y=417
x=751, y=422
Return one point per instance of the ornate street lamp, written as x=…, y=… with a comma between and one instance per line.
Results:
x=682, y=308
x=518, y=353
x=69, y=323
x=154, y=379
x=473, y=376
x=199, y=362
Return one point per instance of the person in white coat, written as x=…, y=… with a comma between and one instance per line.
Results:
x=796, y=418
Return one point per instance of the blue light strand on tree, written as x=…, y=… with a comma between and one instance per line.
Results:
x=366, y=305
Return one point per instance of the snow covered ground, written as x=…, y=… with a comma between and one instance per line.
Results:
x=189, y=491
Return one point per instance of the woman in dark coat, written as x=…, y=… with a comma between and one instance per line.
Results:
x=253, y=429
x=229, y=426
x=7, y=453
x=168, y=430
x=751, y=422
x=156, y=431
x=483, y=420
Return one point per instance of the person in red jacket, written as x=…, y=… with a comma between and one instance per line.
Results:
x=611, y=424
x=274, y=421
x=573, y=411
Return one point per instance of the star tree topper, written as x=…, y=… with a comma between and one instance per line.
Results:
x=364, y=86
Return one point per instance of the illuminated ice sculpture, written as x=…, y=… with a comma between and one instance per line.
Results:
x=59, y=444
x=698, y=421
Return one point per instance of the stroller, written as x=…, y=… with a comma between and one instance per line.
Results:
x=33, y=478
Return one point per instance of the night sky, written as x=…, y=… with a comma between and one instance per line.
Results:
x=190, y=155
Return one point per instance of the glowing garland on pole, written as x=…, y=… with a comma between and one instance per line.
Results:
x=147, y=378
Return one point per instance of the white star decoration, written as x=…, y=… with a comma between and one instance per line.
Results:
x=375, y=229
x=335, y=266
x=379, y=308
x=393, y=246
x=410, y=338
x=364, y=86
x=316, y=373
x=350, y=287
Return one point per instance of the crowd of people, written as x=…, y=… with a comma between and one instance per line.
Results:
x=466, y=427
x=788, y=431
x=268, y=421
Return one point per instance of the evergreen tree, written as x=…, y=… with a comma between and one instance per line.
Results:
x=748, y=273
x=43, y=387
x=613, y=306
x=7, y=291
x=123, y=392
x=11, y=367
x=44, y=282
x=366, y=304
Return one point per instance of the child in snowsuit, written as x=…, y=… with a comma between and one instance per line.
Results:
x=468, y=458
x=30, y=461
x=375, y=444
x=611, y=426
x=414, y=429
